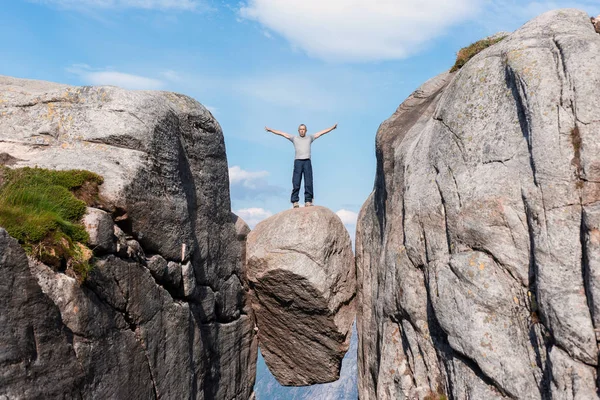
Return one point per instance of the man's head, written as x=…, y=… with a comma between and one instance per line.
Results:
x=302, y=130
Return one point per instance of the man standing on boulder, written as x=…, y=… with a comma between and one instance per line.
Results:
x=302, y=165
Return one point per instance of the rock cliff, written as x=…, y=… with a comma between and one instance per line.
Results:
x=302, y=279
x=477, y=252
x=163, y=312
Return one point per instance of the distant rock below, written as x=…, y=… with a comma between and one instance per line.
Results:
x=302, y=278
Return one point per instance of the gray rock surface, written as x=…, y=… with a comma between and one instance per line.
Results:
x=111, y=355
x=241, y=231
x=345, y=388
x=165, y=309
x=100, y=227
x=160, y=153
x=241, y=227
x=33, y=339
x=477, y=252
x=302, y=280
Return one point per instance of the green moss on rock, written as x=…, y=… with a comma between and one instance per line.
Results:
x=466, y=53
x=43, y=208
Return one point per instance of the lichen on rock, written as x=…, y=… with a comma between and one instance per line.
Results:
x=476, y=251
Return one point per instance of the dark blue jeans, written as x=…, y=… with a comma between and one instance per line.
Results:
x=302, y=167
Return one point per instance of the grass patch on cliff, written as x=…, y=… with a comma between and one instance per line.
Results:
x=438, y=394
x=435, y=396
x=466, y=53
x=43, y=208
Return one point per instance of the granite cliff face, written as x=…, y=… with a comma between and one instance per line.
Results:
x=163, y=313
x=477, y=252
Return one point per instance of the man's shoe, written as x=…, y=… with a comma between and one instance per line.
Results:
x=308, y=204
x=296, y=205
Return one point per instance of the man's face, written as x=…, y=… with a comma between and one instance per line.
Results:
x=302, y=130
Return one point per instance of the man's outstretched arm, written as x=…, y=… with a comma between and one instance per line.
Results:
x=325, y=131
x=285, y=135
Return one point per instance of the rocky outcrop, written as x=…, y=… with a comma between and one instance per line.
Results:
x=164, y=309
x=241, y=232
x=302, y=281
x=37, y=358
x=161, y=154
x=477, y=251
x=100, y=228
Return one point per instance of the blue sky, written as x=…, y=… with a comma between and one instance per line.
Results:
x=264, y=62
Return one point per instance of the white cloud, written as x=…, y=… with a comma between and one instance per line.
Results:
x=181, y=5
x=246, y=178
x=358, y=30
x=212, y=109
x=123, y=80
x=248, y=184
x=347, y=217
x=172, y=76
x=253, y=216
x=93, y=76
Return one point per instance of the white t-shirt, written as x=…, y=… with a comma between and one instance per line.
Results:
x=302, y=146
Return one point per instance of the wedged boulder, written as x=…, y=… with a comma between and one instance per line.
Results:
x=301, y=273
x=477, y=252
x=165, y=305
